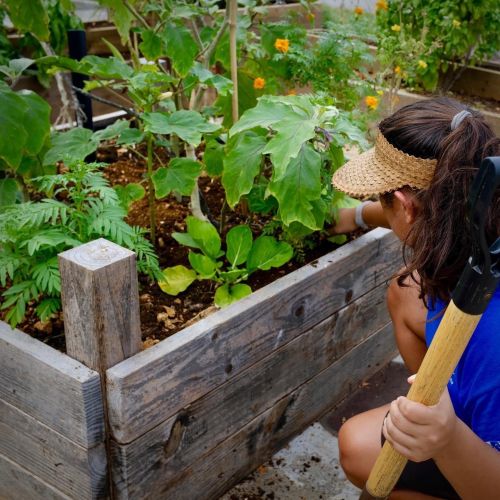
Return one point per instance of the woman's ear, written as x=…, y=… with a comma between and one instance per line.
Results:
x=408, y=205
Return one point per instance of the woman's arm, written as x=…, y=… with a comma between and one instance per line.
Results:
x=373, y=215
x=421, y=432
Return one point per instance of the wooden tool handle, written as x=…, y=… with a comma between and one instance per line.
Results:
x=448, y=345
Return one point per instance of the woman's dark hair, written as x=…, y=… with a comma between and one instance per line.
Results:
x=439, y=244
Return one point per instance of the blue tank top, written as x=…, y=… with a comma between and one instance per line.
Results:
x=474, y=386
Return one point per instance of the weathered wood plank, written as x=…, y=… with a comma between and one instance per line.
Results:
x=17, y=482
x=75, y=471
x=160, y=455
x=145, y=390
x=235, y=457
x=100, y=300
x=51, y=387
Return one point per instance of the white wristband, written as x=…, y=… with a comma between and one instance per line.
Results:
x=358, y=215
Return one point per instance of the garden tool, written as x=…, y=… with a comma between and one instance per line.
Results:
x=470, y=298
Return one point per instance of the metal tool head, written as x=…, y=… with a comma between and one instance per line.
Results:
x=482, y=275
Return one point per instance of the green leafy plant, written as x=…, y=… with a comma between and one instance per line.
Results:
x=432, y=41
x=25, y=125
x=80, y=206
x=243, y=256
x=290, y=146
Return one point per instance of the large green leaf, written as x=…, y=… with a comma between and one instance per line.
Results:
x=239, y=241
x=129, y=193
x=13, y=135
x=8, y=191
x=180, y=176
x=151, y=45
x=298, y=187
x=176, y=279
x=180, y=47
x=69, y=147
x=203, y=265
x=242, y=164
x=206, y=236
x=36, y=121
x=213, y=158
x=225, y=295
x=266, y=252
x=286, y=144
x=106, y=67
x=264, y=115
x=29, y=16
x=122, y=17
x=188, y=125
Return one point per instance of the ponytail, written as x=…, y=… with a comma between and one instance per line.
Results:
x=439, y=243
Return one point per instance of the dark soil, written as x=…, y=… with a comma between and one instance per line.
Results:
x=162, y=315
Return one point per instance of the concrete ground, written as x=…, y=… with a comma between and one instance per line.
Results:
x=308, y=467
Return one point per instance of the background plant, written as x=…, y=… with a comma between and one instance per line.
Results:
x=450, y=35
x=243, y=256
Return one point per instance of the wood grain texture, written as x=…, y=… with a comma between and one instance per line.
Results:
x=160, y=455
x=73, y=470
x=155, y=384
x=228, y=463
x=51, y=387
x=17, y=483
x=101, y=303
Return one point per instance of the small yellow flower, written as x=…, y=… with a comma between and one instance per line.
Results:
x=259, y=83
x=282, y=44
x=396, y=28
x=291, y=92
x=358, y=11
x=422, y=64
x=456, y=23
x=397, y=70
x=381, y=5
x=371, y=102
x=380, y=92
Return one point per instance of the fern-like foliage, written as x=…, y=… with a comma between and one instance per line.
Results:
x=80, y=207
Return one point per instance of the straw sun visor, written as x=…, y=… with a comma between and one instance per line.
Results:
x=383, y=169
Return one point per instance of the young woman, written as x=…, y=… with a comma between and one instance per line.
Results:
x=421, y=167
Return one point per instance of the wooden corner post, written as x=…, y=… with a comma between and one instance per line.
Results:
x=100, y=301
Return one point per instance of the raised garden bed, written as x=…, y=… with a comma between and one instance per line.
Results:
x=195, y=413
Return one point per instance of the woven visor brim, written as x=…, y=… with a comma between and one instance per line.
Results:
x=365, y=175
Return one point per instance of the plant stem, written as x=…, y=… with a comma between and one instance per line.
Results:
x=195, y=194
x=151, y=189
x=233, y=10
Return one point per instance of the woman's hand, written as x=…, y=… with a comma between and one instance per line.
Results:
x=417, y=431
x=344, y=222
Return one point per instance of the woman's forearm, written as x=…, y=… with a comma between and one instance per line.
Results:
x=470, y=465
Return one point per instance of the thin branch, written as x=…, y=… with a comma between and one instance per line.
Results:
x=207, y=53
x=196, y=33
x=129, y=111
x=136, y=14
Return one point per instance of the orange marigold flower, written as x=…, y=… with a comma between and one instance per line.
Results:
x=259, y=83
x=371, y=102
x=358, y=10
x=291, y=92
x=396, y=28
x=282, y=44
x=397, y=70
x=381, y=5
